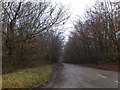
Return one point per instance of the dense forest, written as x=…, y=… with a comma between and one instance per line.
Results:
x=32, y=34
x=96, y=36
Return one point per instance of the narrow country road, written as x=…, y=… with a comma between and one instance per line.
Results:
x=76, y=76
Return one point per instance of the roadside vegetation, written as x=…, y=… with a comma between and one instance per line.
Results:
x=31, y=37
x=96, y=37
x=27, y=78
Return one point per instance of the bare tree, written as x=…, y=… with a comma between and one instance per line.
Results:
x=26, y=26
x=96, y=36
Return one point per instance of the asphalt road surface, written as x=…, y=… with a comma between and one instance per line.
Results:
x=76, y=76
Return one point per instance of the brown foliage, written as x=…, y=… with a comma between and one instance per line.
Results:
x=96, y=38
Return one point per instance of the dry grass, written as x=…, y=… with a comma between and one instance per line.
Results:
x=28, y=77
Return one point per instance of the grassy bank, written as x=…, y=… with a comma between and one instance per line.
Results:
x=28, y=77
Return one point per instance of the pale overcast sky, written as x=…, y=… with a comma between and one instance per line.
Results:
x=77, y=8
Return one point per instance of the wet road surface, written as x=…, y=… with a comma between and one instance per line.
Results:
x=76, y=76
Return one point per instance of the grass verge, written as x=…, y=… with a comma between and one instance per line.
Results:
x=28, y=77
